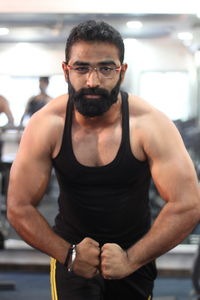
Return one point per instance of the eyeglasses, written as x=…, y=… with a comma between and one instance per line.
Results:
x=104, y=71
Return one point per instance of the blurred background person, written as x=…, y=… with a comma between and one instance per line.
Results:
x=37, y=102
x=5, y=108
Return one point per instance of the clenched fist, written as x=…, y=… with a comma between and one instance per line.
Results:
x=87, y=260
x=115, y=263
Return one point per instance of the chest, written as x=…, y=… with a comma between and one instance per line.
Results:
x=96, y=147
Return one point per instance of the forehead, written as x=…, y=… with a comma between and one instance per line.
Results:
x=93, y=52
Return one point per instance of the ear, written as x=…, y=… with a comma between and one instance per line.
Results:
x=123, y=71
x=65, y=70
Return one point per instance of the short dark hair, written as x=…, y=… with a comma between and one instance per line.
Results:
x=95, y=31
x=44, y=78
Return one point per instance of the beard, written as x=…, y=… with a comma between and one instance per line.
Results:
x=93, y=107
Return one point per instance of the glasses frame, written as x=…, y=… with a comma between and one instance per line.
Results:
x=96, y=69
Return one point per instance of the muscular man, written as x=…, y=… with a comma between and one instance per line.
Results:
x=104, y=145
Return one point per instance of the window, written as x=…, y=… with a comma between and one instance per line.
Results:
x=168, y=92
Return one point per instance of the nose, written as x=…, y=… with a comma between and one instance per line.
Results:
x=93, y=79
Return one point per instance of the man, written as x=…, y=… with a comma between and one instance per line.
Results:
x=104, y=145
x=37, y=102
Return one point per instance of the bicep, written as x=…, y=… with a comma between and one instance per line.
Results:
x=28, y=181
x=171, y=166
x=174, y=177
x=30, y=171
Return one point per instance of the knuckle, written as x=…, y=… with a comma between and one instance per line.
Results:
x=98, y=251
x=104, y=253
x=103, y=256
x=103, y=265
x=87, y=239
x=106, y=246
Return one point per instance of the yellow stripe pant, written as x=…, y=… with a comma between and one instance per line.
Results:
x=69, y=286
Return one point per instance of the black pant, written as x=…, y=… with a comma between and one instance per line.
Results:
x=69, y=286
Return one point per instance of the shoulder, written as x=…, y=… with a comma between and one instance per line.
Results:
x=153, y=129
x=52, y=114
x=139, y=107
x=46, y=126
x=147, y=116
x=56, y=107
x=53, y=110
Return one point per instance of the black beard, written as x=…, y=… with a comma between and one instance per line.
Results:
x=93, y=107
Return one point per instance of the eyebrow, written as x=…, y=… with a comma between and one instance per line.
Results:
x=102, y=63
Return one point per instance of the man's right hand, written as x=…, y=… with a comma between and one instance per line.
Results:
x=87, y=260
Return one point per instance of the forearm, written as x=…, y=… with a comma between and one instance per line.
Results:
x=170, y=228
x=35, y=230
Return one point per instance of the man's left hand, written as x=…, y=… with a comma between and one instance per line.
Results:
x=115, y=263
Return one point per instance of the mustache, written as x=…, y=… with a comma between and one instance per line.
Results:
x=92, y=91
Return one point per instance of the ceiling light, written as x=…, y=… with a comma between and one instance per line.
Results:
x=185, y=36
x=4, y=31
x=134, y=24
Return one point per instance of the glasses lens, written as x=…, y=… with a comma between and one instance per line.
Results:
x=81, y=70
x=107, y=72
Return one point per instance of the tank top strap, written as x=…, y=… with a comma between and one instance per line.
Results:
x=68, y=120
x=125, y=118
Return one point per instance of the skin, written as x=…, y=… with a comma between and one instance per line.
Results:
x=4, y=108
x=95, y=143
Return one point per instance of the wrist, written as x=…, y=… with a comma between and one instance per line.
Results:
x=132, y=258
x=71, y=256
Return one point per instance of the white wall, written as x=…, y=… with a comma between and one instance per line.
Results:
x=161, y=54
x=24, y=59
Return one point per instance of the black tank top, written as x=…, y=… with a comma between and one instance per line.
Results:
x=107, y=203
